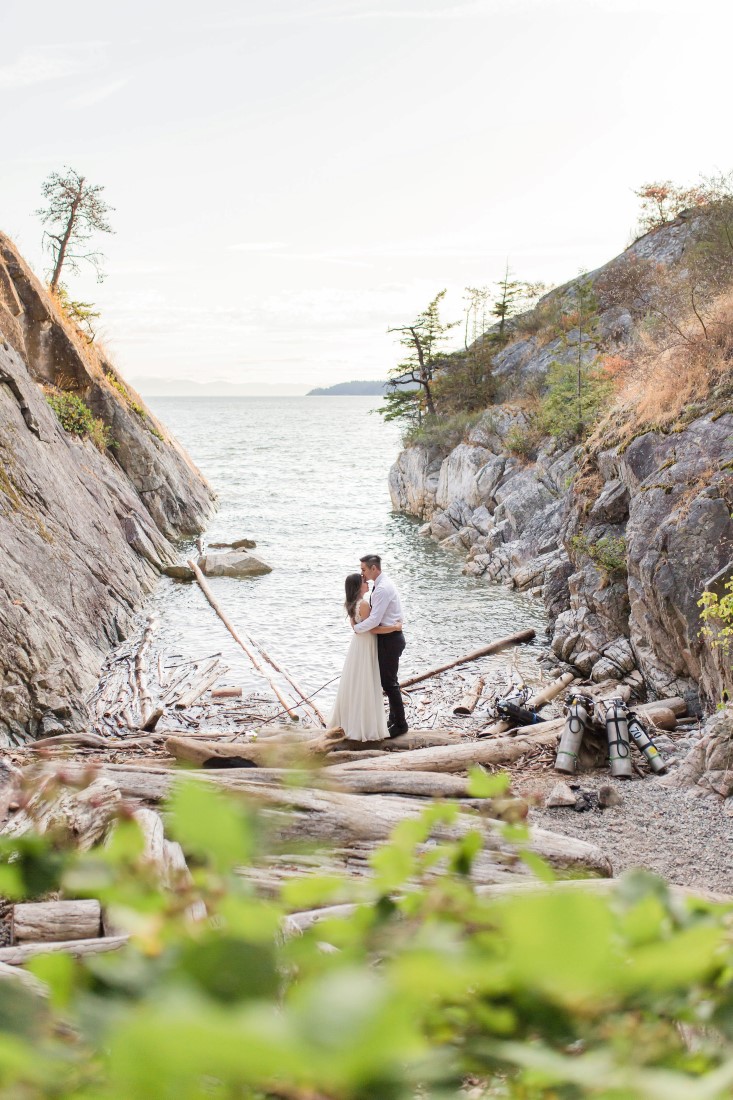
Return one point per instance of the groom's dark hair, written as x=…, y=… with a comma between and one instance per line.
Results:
x=371, y=560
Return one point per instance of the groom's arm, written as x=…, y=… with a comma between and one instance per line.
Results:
x=380, y=599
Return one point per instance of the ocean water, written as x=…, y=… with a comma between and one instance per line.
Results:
x=306, y=477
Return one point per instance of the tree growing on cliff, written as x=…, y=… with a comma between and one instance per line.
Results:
x=512, y=296
x=75, y=211
x=424, y=341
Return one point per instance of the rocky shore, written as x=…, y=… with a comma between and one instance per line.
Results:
x=85, y=530
x=618, y=536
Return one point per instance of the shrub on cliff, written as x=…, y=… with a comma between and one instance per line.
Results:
x=76, y=418
x=574, y=399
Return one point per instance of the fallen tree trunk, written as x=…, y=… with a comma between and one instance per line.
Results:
x=77, y=817
x=351, y=818
x=56, y=921
x=461, y=756
x=166, y=858
x=17, y=976
x=23, y=953
x=254, y=753
x=493, y=647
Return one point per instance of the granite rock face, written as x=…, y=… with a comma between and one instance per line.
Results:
x=619, y=543
x=84, y=535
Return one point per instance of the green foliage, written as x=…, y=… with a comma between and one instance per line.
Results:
x=717, y=617
x=424, y=340
x=76, y=418
x=608, y=552
x=523, y=440
x=82, y=314
x=121, y=388
x=566, y=414
x=443, y=432
x=553, y=993
x=465, y=382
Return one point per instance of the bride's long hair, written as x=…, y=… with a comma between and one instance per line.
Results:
x=352, y=588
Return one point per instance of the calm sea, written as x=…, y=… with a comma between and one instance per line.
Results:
x=306, y=477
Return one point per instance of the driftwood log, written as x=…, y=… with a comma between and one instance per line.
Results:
x=24, y=952
x=19, y=977
x=248, y=649
x=79, y=817
x=269, y=751
x=470, y=698
x=462, y=755
x=56, y=921
x=493, y=647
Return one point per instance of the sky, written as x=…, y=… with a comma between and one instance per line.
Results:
x=291, y=178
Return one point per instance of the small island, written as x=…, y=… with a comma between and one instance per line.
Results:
x=350, y=389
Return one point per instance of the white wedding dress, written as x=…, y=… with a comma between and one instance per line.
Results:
x=359, y=709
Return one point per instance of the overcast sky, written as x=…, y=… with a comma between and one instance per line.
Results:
x=291, y=177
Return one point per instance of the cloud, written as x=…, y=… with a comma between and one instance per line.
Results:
x=45, y=63
x=96, y=95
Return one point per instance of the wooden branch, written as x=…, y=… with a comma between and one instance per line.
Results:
x=494, y=647
x=56, y=921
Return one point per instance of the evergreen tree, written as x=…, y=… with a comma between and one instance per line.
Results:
x=424, y=341
x=74, y=213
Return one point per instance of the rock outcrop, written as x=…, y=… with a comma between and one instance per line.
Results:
x=619, y=542
x=84, y=534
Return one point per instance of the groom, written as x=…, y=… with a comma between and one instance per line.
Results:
x=386, y=611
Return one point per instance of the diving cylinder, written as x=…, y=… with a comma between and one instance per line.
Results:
x=645, y=744
x=578, y=711
x=617, y=732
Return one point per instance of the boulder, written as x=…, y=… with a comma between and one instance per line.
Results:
x=238, y=544
x=413, y=480
x=232, y=563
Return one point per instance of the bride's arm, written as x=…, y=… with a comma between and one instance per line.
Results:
x=385, y=629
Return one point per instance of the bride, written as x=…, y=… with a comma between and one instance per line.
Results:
x=359, y=709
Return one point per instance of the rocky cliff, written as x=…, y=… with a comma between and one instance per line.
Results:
x=618, y=536
x=84, y=532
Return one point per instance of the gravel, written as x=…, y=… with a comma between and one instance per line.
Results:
x=671, y=831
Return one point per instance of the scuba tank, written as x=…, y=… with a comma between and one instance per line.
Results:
x=519, y=715
x=645, y=744
x=578, y=709
x=617, y=732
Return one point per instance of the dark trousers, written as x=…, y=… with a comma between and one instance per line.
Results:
x=389, y=651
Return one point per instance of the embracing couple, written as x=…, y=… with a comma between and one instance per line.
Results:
x=373, y=660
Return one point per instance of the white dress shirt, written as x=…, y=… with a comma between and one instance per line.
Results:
x=386, y=606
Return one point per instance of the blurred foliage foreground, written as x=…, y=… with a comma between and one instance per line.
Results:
x=426, y=990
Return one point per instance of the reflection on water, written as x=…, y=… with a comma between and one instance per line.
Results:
x=306, y=477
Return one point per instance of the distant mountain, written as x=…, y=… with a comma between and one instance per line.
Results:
x=182, y=387
x=351, y=389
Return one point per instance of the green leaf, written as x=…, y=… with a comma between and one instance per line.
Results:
x=483, y=784
x=209, y=825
